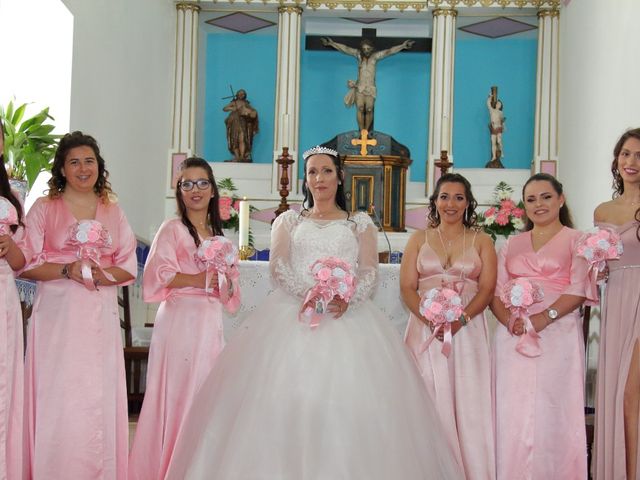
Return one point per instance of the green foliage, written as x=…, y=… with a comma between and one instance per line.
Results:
x=29, y=145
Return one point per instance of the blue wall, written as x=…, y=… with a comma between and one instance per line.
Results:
x=402, y=105
x=509, y=63
x=244, y=61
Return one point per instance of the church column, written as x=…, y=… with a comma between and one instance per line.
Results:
x=185, y=76
x=545, y=150
x=441, y=103
x=287, y=91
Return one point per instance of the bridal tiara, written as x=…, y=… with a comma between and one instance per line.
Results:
x=319, y=150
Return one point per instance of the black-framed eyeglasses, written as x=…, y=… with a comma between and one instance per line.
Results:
x=187, y=185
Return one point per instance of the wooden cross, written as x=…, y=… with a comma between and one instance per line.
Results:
x=364, y=142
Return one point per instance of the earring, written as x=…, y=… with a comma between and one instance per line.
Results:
x=339, y=182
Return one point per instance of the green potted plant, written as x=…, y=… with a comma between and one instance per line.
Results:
x=29, y=145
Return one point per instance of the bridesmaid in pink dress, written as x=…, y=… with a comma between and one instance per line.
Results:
x=539, y=394
x=11, y=354
x=617, y=450
x=452, y=251
x=187, y=334
x=76, y=399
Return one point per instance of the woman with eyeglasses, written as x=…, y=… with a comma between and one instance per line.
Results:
x=187, y=333
x=617, y=433
x=75, y=395
x=11, y=341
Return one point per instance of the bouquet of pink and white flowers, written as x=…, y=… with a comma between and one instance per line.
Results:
x=504, y=217
x=517, y=296
x=90, y=236
x=334, y=278
x=441, y=307
x=219, y=254
x=598, y=247
x=8, y=216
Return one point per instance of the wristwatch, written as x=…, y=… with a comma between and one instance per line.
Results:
x=553, y=313
x=65, y=271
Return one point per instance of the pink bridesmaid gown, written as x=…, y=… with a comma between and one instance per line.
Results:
x=76, y=398
x=461, y=384
x=11, y=371
x=187, y=338
x=619, y=333
x=539, y=401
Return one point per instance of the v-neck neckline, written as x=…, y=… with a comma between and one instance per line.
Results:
x=547, y=242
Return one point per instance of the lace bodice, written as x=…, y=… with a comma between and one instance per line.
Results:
x=297, y=242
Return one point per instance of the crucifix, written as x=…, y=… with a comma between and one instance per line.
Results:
x=364, y=142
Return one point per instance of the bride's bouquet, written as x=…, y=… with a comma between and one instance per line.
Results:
x=8, y=216
x=219, y=254
x=90, y=237
x=441, y=307
x=517, y=296
x=599, y=246
x=334, y=278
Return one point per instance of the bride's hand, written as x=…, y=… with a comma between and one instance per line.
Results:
x=337, y=306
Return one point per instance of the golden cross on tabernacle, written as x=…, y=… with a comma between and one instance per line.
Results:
x=364, y=142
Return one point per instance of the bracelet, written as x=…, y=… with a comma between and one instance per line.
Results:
x=463, y=319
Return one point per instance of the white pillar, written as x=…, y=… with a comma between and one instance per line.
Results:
x=287, y=92
x=185, y=76
x=441, y=104
x=546, y=128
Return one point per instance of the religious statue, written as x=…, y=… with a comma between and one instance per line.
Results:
x=363, y=91
x=496, y=127
x=242, y=125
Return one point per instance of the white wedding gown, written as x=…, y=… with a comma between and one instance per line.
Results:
x=341, y=402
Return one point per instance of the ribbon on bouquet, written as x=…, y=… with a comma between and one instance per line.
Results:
x=90, y=256
x=528, y=344
x=446, y=341
x=518, y=295
x=323, y=296
x=441, y=306
x=227, y=282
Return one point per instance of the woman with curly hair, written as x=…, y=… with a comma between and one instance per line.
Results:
x=452, y=252
x=617, y=445
x=76, y=403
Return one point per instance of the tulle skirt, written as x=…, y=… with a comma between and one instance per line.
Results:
x=284, y=402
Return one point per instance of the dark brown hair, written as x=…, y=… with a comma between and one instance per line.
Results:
x=58, y=182
x=470, y=217
x=340, y=198
x=5, y=187
x=213, y=210
x=565, y=214
x=618, y=184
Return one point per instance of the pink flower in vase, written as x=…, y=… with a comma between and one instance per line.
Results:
x=507, y=205
x=517, y=212
x=502, y=218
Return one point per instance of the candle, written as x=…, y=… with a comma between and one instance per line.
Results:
x=244, y=223
x=445, y=133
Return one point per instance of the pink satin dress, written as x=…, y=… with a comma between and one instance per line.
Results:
x=539, y=401
x=11, y=371
x=461, y=384
x=619, y=332
x=75, y=394
x=187, y=339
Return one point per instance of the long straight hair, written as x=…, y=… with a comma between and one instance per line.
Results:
x=565, y=214
x=5, y=187
x=213, y=209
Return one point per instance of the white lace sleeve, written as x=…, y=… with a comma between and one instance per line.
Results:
x=367, y=271
x=280, y=267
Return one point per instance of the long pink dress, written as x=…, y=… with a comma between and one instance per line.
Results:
x=11, y=371
x=539, y=401
x=460, y=384
x=187, y=338
x=619, y=333
x=75, y=395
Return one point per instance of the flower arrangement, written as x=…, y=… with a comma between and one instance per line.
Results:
x=517, y=296
x=8, y=216
x=598, y=247
x=90, y=236
x=504, y=216
x=229, y=204
x=334, y=278
x=441, y=307
x=219, y=253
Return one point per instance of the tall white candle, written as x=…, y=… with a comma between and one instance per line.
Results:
x=244, y=222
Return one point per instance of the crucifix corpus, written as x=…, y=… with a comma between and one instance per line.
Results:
x=362, y=92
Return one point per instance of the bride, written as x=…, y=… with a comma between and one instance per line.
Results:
x=341, y=401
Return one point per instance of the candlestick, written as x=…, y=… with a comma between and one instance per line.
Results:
x=244, y=223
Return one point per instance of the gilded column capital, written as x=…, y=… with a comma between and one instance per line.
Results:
x=552, y=13
x=184, y=6
x=290, y=9
x=445, y=12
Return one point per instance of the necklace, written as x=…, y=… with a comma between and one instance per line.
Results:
x=447, y=255
x=315, y=213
